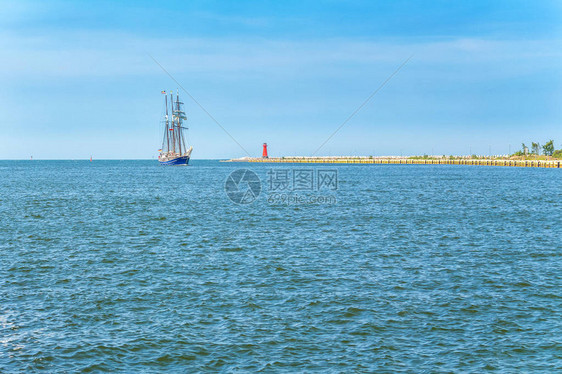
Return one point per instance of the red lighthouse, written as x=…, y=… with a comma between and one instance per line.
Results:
x=264, y=153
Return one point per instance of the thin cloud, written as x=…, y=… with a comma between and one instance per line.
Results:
x=111, y=54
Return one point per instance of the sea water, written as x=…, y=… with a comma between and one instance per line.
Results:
x=129, y=266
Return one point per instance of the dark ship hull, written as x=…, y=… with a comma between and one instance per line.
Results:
x=183, y=160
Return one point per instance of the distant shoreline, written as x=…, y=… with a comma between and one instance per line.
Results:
x=412, y=160
x=103, y=159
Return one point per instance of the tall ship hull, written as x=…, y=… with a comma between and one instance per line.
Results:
x=174, y=150
x=184, y=160
x=178, y=160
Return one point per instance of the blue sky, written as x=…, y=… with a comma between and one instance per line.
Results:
x=77, y=80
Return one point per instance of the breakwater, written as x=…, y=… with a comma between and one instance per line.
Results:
x=404, y=161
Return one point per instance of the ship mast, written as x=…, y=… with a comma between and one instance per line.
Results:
x=167, y=129
x=173, y=128
x=178, y=116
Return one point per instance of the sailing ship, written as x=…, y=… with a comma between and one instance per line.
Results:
x=174, y=150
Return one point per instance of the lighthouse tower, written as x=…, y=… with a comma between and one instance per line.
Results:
x=264, y=153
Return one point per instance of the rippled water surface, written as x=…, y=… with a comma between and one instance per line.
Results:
x=131, y=267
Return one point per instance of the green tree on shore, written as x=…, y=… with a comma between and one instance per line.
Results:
x=535, y=148
x=548, y=148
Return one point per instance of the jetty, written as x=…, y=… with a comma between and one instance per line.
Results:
x=402, y=161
